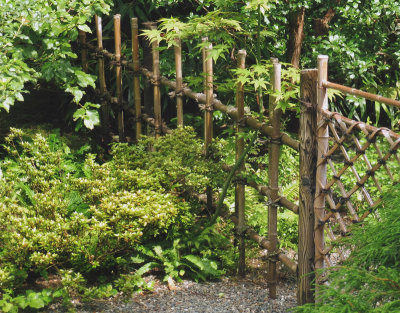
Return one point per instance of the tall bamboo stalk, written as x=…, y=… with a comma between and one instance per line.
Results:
x=209, y=92
x=240, y=186
x=273, y=156
x=208, y=113
x=118, y=75
x=105, y=108
x=322, y=135
x=179, y=80
x=148, y=92
x=84, y=52
x=308, y=161
x=136, y=77
x=156, y=86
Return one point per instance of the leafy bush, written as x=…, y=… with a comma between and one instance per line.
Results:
x=62, y=213
x=369, y=280
x=36, y=45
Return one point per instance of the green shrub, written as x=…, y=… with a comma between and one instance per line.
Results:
x=60, y=211
x=369, y=280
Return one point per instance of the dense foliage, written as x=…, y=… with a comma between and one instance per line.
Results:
x=64, y=213
x=36, y=40
x=369, y=280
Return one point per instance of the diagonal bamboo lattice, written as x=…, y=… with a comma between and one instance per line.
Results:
x=355, y=162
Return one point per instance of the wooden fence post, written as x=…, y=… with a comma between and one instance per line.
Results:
x=136, y=79
x=322, y=137
x=273, y=174
x=156, y=86
x=179, y=81
x=118, y=75
x=105, y=108
x=84, y=52
x=308, y=161
x=240, y=187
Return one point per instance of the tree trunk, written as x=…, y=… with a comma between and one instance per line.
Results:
x=321, y=25
x=296, y=36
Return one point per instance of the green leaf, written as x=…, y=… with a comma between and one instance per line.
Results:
x=85, y=28
x=91, y=119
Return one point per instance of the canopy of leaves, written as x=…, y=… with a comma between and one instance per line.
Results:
x=35, y=44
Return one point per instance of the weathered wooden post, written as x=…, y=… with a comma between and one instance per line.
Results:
x=105, y=108
x=320, y=191
x=136, y=77
x=179, y=81
x=308, y=161
x=84, y=52
x=273, y=174
x=240, y=187
x=156, y=87
x=118, y=75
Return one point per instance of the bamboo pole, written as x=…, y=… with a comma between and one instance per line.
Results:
x=253, y=235
x=240, y=186
x=118, y=75
x=136, y=78
x=308, y=161
x=251, y=122
x=208, y=109
x=147, y=63
x=231, y=111
x=84, y=52
x=360, y=93
x=208, y=90
x=179, y=81
x=273, y=174
x=105, y=108
x=156, y=86
x=322, y=138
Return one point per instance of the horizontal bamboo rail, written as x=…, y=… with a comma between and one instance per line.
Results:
x=201, y=98
x=253, y=235
x=231, y=111
x=360, y=93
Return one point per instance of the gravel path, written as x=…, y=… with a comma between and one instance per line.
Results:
x=227, y=295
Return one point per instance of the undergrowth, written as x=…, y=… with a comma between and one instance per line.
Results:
x=101, y=227
x=369, y=280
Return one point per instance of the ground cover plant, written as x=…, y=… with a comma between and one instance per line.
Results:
x=66, y=214
x=369, y=280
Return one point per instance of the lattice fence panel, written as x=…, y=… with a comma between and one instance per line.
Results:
x=362, y=162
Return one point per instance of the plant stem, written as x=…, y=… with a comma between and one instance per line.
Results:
x=239, y=162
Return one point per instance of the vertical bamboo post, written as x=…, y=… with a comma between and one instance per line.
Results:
x=118, y=75
x=136, y=81
x=156, y=87
x=208, y=109
x=179, y=81
x=240, y=187
x=84, y=52
x=273, y=163
x=148, y=91
x=208, y=114
x=308, y=161
x=322, y=137
x=105, y=109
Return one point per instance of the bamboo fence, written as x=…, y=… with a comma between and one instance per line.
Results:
x=326, y=203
